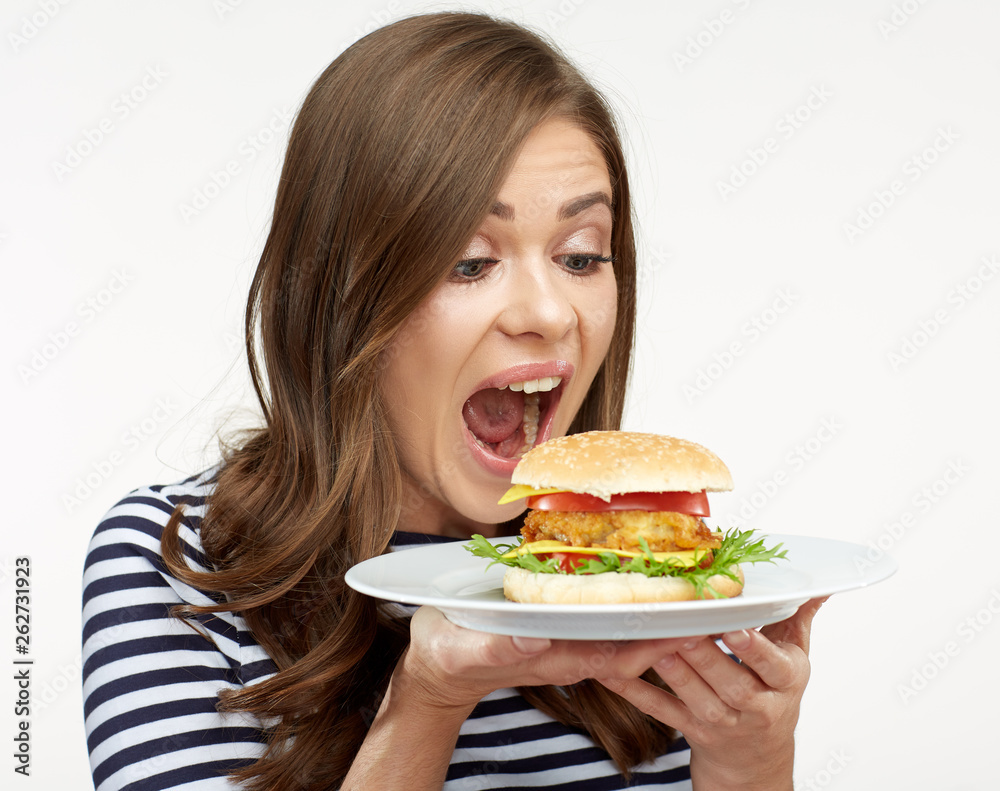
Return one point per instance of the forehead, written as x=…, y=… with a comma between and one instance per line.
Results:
x=558, y=158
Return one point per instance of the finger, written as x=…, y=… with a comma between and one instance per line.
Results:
x=658, y=703
x=690, y=685
x=622, y=660
x=797, y=629
x=775, y=665
x=734, y=685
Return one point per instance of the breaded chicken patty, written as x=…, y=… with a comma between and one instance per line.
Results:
x=664, y=531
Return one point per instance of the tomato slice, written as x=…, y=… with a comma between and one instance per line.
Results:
x=694, y=503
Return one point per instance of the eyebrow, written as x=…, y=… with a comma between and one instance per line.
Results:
x=583, y=203
x=503, y=210
x=506, y=212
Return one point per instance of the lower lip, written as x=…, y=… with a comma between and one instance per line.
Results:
x=498, y=465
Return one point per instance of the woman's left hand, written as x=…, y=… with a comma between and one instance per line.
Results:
x=739, y=719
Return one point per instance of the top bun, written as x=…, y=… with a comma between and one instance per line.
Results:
x=603, y=463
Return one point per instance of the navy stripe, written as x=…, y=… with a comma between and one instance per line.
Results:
x=189, y=500
x=153, y=679
x=125, y=615
x=254, y=670
x=153, y=530
x=132, y=614
x=124, y=582
x=188, y=774
x=151, y=750
x=506, y=737
x=114, y=552
x=616, y=781
x=578, y=758
x=201, y=479
x=402, y=538
x=141, y=716
x=120, y=583
x=145, y=645
x=491, y=708
x=159, y=504
x=541, y=762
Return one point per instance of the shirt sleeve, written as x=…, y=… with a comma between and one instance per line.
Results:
x=150, y=680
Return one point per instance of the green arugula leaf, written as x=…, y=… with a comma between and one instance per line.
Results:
x=482, y=548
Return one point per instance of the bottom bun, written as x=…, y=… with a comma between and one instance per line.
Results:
x=618, y=587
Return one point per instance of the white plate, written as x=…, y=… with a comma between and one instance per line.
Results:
x=448, y=577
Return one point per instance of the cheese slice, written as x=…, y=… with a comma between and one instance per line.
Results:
x=688, y=557
x=521, y=490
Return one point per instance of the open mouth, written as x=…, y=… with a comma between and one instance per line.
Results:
x=507, y=421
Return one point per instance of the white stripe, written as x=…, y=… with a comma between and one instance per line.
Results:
x=133, y=536
x=491, y=777
x=152, y=627
x=133, y=597
x=496, y=722
x=156, y=729
x=151, y=696
x=109, y=603
x=250, y=654
x=208, y=784
x=130, y=564
x=139, y=663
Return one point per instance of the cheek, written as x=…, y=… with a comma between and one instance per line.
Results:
x=418, y=344
x=404, y=388
x=597, y=320
x=421, y=365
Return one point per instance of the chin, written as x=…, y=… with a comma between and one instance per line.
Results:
x=478, y=503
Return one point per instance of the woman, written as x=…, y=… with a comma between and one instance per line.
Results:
x=453, y=218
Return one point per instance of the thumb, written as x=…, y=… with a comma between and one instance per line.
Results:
x=529, y=646
x=796, y=629
x=499, y=650
x=458, y=649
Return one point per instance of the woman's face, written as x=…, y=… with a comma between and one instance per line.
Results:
x=501, y=354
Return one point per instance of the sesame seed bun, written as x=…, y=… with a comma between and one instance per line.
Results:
x=603, y=463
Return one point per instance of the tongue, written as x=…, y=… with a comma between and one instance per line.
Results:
x=494, y=416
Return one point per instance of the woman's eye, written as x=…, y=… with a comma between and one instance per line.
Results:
x=472, y=268
x=584, y=263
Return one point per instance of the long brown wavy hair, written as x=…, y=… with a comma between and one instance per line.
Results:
x=396, y=156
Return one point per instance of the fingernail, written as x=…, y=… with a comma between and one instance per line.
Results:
x=737, y=640
x=531, y=645
x=666, y=662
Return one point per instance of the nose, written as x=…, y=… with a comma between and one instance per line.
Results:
x=537, y=302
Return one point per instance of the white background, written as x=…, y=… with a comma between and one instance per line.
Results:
x=847, y=375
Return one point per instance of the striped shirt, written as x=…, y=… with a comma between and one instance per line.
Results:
x=151, y=681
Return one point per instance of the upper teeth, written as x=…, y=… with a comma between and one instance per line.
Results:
x=542, y=385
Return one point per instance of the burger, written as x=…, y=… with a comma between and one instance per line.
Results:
x=618, y=517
